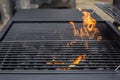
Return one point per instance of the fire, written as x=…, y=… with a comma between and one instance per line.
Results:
x=82, y=34
x=88, y=30
x=99, y=38
x=75, y=31
x=75, y=62
x=79, y=59
x=89, y=25
x=88, y=21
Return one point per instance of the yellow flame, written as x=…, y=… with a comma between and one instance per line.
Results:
x=79, y=59
x=75, y=62
x=75, y=31
x=88, y=29
x=88, y=21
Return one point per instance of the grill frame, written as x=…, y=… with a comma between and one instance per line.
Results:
x=7, y=30
x=12, y=21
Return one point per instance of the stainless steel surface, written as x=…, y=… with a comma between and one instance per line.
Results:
x=111, y=10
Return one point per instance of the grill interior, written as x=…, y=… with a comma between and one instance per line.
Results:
x=31, y=46
x=100, y=55
x=20, y=31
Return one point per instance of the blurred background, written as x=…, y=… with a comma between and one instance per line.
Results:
x=9, y=7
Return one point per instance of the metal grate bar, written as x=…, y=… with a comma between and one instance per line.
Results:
x=35, y=55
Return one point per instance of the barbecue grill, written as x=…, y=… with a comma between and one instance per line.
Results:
x=33, y=43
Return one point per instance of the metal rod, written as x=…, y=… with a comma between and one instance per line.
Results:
x=117, y=68
x=94, y=11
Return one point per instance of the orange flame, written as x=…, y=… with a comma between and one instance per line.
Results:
x=99, y=38
x=79, y=59
x=75, y=31
x=75, y=62
x=89, y=26
x=88, y=21
x=88, y=30
x=82, y=34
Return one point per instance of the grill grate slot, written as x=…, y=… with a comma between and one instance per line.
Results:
x=35, y=55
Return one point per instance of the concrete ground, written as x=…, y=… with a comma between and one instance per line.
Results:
x=4, y=13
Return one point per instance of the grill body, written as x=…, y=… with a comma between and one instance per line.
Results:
x=34, y=38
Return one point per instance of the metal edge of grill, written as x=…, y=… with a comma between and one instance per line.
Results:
x=8, y=30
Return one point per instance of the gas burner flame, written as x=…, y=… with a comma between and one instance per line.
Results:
x=88, y=31
x=75, y=31
x=79, y=59
x=75, y=62
x=88, y=21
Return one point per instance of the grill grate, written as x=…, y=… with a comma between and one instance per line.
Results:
x=34, y=55
x=110, y=10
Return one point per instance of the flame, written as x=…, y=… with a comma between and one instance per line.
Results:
x=99, y=38
x=88, y=21
x=75, y=31
x=75, y=62
x=88, y=30
x=79, y=59
x=82, y=34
